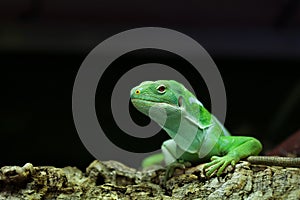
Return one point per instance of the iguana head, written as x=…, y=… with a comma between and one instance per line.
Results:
x=159, y=99
x=171, y=105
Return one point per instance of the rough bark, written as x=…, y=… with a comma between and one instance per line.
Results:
x=113, y=180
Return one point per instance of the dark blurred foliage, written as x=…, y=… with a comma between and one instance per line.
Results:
x=255, y=44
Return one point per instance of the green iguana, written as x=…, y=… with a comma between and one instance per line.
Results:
x=197, y=136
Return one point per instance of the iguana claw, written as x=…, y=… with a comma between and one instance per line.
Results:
x=219, y=164
x=170, y=169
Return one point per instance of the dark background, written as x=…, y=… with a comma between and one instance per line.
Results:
x=255, y=44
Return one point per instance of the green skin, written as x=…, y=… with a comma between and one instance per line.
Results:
x=196, y=135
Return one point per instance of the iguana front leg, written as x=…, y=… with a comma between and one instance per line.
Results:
x=170, y=151
x=233, y=148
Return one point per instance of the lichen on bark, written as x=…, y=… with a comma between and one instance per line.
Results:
x=114, y=180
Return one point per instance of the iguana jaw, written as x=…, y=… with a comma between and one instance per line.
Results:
x=144, y=105
x=149, y=103
x=157, y=111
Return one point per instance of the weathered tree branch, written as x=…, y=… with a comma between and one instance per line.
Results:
x=113, y=180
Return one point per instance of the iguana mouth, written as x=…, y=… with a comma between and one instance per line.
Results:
x=153, y=101
x=148, y=100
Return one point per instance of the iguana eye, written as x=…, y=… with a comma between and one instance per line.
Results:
x=180, y=101
x=161, y=89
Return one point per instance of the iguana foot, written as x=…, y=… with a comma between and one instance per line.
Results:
x=170, y=169
x=219, y=164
